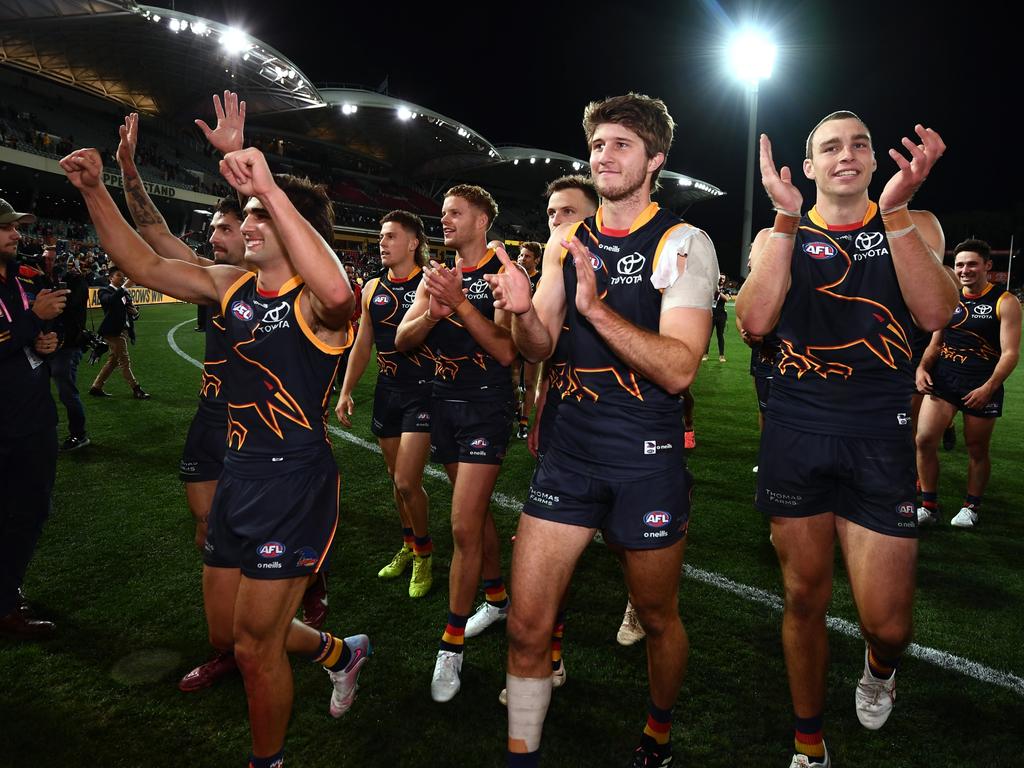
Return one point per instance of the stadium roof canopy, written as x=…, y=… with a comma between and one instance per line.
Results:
x=152, y=60
x=166, y=63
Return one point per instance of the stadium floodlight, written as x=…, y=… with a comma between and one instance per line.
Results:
x=751, y=58
x=234, y=41
x=685, y=181
x=174, y=24
x=156, y=18
x=516, y=161
x=547, y=160
x=349, y=109
x=533, y=160
x=199, y=27
x=576, y=165
x=404, y=113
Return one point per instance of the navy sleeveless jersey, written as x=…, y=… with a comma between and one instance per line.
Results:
x=762, y=356
x=844, y=364
x=970, y=342
x=613, y=422
x=279, y=381
x=213, y=401
x=463, y=370
x=389, y=300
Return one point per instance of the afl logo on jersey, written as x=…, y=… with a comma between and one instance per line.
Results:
x=906, y=510
x=657, y=519
x=867, y=240
x=241, y=310
x=631, y=264
x=820, y=251
x=381, y=298
x=480, y=442
x=270, y=550
x=596, y=263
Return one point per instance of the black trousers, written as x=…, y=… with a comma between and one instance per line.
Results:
x=28, y=467
x=718, y=323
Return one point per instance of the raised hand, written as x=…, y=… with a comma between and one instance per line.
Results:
x=247, y=171
x=912, y=173
x=586, y=284
x=779, y=183
x=511, y=288
x=444, y=287
x=83, y=167
x=228, y=136
x=129, y=141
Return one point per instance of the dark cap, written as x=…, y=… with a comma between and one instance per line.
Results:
x=9, y=216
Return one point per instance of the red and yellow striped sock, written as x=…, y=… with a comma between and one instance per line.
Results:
x=423, y=547
x=408, y=538
x=454, y=638
x=808, y=739
x=494, y=592
x=659, y=724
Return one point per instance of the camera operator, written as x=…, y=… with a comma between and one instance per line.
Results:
x=28, y=425
x=64, y=362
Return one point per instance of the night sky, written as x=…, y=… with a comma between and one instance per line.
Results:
x=521, y=73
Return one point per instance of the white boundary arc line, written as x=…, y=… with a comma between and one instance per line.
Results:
x=942, y=659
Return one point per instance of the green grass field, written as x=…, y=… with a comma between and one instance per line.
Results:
x=117, y=571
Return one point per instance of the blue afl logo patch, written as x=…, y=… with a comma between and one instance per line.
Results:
x=906, y=509
x=595, y=262
x=657, y=519
x=381, y=298
x=271, y=550
x=241, y=310
x=820, y=251
x=480, y=442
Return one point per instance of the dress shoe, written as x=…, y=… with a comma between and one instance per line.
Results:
x=17, y=626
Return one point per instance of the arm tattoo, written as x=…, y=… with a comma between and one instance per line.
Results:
x=143, y=212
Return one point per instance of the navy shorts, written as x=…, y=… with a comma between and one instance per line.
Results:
x=763, y=386
x=647, y=513
x=952, y=387
x=202, y=459
x=868, y=481
x=548, y=415
x=396, y=411
x=470, y=432
x=277, y=527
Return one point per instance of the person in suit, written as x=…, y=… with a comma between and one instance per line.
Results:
x=118, y=328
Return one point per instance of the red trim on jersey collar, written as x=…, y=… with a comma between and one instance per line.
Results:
x=817, y=218
x=614, y=232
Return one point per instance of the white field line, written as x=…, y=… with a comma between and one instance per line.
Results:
x=941, y=659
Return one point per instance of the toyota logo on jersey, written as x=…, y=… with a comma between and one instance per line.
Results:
x=631, y=264
x=277, y=314
x=867, y=240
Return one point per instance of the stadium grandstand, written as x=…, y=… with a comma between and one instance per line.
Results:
x=70, y=71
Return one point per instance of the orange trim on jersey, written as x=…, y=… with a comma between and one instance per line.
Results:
x=234, y=289
x=415, y=271
x=320, y=344
x=487, y=257
x=988, y=287
x=816, y=217
x=570, y=235
x=368, y=290
x=1000, y=301
x=661, y=245
x=645, y=216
